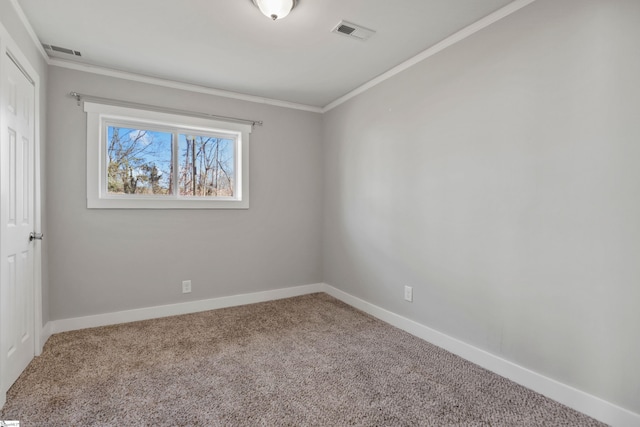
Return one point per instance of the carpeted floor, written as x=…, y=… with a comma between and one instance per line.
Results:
x=309, y=360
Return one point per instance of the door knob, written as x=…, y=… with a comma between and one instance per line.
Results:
x=35, y=236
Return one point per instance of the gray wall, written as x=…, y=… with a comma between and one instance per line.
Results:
x=109, y=260
x=500, y=178
x=19, y=34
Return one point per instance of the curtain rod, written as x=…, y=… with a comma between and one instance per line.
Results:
x=80, y=96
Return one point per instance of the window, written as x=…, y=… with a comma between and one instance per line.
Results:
x=146, y=159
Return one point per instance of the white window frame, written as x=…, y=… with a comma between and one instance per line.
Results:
x=99, y=116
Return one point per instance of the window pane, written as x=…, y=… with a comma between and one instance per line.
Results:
x=139, y=161
x=206, y=166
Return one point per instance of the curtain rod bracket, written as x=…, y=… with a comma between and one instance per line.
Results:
x=77, y=96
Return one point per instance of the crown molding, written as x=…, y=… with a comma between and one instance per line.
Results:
x=438, y=47
x=452, y=39
x=27, y=25
x=150, y=79
x=178, y=85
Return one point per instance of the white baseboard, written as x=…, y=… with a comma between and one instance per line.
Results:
x=105, y=319
x=567, y=395
x=45, y=333
x=576, y=399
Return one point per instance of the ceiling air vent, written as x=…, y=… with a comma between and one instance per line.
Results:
x=57, y=50
x=353, y=31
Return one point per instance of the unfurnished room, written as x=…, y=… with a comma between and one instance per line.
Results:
x=320, y=213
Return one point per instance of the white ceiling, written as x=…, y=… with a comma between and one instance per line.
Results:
x=230, y=45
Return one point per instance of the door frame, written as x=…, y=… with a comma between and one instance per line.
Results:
x=10, y=52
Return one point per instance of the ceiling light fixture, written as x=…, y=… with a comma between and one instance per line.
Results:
x=275, y=9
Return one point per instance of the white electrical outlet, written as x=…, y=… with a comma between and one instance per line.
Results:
x=186, y=286
x=408, y=293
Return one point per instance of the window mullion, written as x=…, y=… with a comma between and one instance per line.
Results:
x=175, y=164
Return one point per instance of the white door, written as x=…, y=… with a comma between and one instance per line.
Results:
x=16, y=222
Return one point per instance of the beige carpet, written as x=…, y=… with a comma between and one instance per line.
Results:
x=310, y=360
